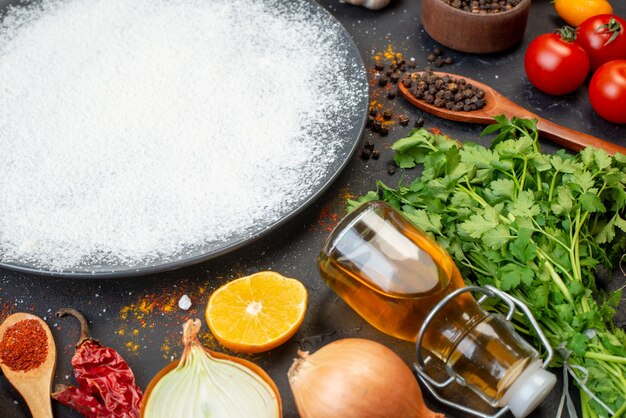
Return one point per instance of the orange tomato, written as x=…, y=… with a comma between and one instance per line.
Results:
x=576, y=12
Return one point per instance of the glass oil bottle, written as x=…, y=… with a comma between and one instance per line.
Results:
x=393, y=275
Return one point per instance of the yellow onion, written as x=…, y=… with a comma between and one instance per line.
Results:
x=356, y=378
x=210, y=384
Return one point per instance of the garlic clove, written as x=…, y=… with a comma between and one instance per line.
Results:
x=369, y=4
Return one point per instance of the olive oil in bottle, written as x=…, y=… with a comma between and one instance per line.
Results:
x=393, y=274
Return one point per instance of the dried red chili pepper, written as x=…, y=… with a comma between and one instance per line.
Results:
x=106, y=385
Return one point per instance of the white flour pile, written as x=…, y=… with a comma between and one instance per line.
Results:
x=136, y=130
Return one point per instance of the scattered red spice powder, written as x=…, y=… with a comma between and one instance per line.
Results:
x=24, y=345
x=328, y=219
x=6, y=309
x=137, y=320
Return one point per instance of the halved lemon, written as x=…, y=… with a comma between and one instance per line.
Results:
x=256, y=313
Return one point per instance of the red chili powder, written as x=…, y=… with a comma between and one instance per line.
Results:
x=24, y=345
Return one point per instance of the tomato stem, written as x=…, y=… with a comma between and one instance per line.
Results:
x=567, y=33
x=613, y=27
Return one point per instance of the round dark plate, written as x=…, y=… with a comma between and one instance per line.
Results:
x=354, y=70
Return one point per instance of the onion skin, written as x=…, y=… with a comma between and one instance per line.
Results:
x=356, y=378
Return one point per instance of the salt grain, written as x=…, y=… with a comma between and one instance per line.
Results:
x=184, y=303
x=133, y=131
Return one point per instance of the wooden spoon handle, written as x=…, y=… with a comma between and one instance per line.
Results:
x=575, y=140
x=39, y=402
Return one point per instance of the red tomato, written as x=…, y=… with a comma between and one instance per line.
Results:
x=555, y=64
x=607, y=91
x=604, y=39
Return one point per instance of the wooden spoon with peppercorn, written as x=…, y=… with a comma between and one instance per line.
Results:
x=466, y=100
x=28, y=359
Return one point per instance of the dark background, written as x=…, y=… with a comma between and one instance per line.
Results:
x=140, y=318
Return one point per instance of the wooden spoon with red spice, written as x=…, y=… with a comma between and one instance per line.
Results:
x=496, y=104
x=28, y=359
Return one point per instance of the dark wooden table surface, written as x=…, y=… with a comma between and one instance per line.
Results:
x=139, y=316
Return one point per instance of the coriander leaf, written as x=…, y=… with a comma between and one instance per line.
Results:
x=515, y=147
x=576, y=288
x=497, y=237
x=513, y=275
x=605, y=231
x=421, y=218
x=353, y=204
x=503, y=188
x=477, y=155
x=564, y=201
x=582, y=180
x=578, y=344
x=540, y=296
x=522, y=248
x=524, y=205
x=563, y=165
x=491, y=129
x=620, y=223
x=477, y=225
x=591, y=202
x=404, y=160
x=417, y=137
x=453, y=158
x=601, y=158
x=541, y=162
x=565, y=312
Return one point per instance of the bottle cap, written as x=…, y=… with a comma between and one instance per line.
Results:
x=529, y=390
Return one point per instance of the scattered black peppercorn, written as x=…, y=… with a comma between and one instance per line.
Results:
x=369, y=145
x=379, y=66
x=404, y=120
x=373, y=111
x=392, y=93
x=375, y=154
x=382, y=81
x=387, y=114
x=437, y=51
x=431, y=57
x=366, y=154
x=383, y=131
x=419, y=123
x=394, y=77
x=449, y=61
x=391, y=169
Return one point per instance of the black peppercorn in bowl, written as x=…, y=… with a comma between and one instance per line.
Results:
x=478, y=26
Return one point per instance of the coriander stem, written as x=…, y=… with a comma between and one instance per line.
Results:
x=476, y=269
x=559, y=282
x=552, y=237
x=552, y=183
x=605, y=357
x=523, y=180
x=538, y=180
x=543, y=256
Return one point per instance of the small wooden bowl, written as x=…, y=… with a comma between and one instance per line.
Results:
x=471, y=32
